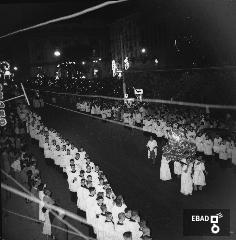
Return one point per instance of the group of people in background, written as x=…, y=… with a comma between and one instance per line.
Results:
x=90, y=190
x=20, y=164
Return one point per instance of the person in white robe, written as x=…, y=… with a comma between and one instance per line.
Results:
x=41, y=205
x=216, y=144
x=47, y=224
x=134, y=227
x=82, y=193
x=108, y=201
x=99, y=226
x=90, y=202
x=198, y=174
x=208, y=146
x=117, y=208
x=223, y=156
x=165, y=173
x=229, y=148
x=186, y=178
x=199, y=143
x=73, y=176
x=96, y=211
x=120, y=226
x=65, y=160
x=108, y=232
x=152, y=149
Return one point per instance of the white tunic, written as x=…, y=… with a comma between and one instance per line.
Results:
x=208, y=146
x=198, y=175
x=165, y=174
x=82, y=194
x=216, y=145
x=223, y=152
x=116, y=210
x=73, y=180
x=109, y=203
x=41, y=214
x=108, y=232
x=47, y=224
x=90, y=202
x=186, y=180
x=152, y=146
x=120, y=229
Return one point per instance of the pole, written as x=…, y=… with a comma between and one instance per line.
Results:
x=122, y=66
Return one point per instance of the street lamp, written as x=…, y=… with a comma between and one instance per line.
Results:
x=143, y=50
x=83, y=62
x=15, y=68
x=57, y=53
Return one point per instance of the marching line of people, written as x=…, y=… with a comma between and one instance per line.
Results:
x=191, y=172
x=189, y=126
x=89, y=188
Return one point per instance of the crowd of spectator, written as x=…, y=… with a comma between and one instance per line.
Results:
x=19, y=163
x=205, y=86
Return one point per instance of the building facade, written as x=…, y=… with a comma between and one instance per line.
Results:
x=84, y=41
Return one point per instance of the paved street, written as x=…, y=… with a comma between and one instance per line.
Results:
x=121, y=154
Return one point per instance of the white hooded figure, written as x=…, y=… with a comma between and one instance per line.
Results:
x=165, y=173
x=198, y=175
x=186, y=178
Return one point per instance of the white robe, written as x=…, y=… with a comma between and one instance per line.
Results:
x=109, y=203
x=152, y=146
x=82, y=194
x=198, y=175
x=99, y=226
x=73, y=181
x=116, y=210
x=134, y=227
x=47, y=224
x=216, y=145
x=186, y=180
x=90, y=202
x=165, y=173
x=108, y=232
x=41, y=205
x=208, y=146
x=177, y=168
x=223, y=152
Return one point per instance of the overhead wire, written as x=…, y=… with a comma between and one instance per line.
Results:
x=147, y=100
x=51, y=207
x=36, y=220
x=67, y=17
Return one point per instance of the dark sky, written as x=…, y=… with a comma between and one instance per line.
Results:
x=26, y=14
x=212, y=22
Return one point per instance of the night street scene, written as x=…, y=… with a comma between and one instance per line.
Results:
x=118, y=119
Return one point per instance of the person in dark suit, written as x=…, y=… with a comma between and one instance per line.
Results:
x=58, y=234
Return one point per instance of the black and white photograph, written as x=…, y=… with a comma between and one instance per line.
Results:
x=118, y=119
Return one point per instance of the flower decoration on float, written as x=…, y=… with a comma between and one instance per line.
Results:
x=178, y=147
